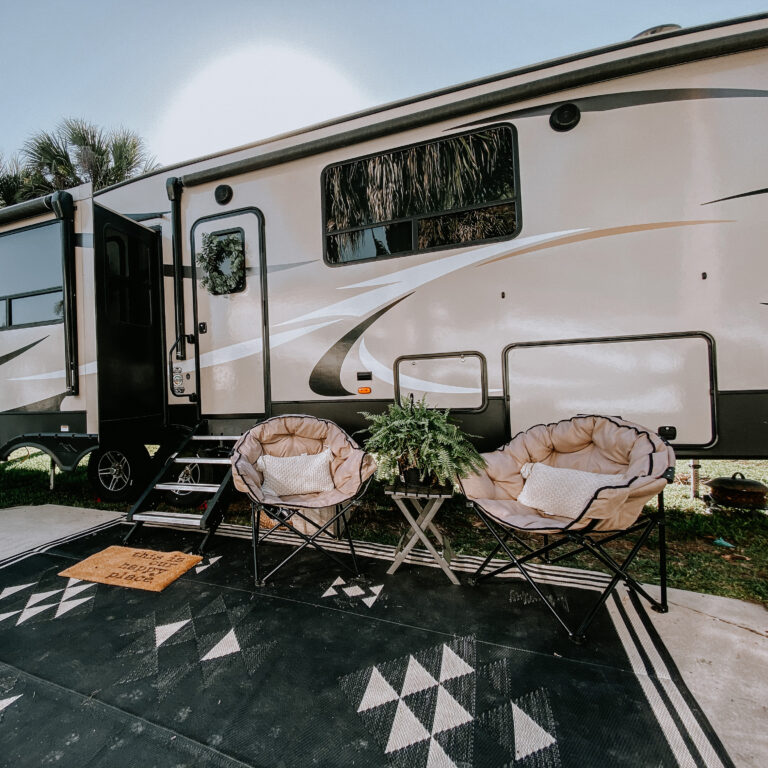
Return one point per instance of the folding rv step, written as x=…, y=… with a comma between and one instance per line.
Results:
x=186, y=487
x=177, y=518
x=199, y=460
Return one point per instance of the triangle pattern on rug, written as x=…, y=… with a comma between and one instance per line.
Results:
x=40, y=596
x=28, y=613
x=378, y=692
x=530, y=737
x=340, y=588
x=5, y=703
x=437, y=757
x=4, y=616
x=525, y=727
x=164, y=631
x=8, y=591
x=416, y=678
x=226, y=646
x=448, y=713
x=200, y=568
x=432, y=724
x=452, y=665
x=70, y=604
x=75, y=589
x=406, y=729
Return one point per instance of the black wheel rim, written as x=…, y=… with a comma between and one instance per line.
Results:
x=114, y=471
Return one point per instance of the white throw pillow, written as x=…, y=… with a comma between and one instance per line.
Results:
x=562, y=492
x=296, y=475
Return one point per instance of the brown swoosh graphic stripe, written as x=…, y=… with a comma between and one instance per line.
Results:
x=600, y=233
x=16, y=352
x=736, y=197
x=325, y=378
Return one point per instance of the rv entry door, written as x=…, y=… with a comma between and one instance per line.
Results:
x=129, y=328
x=229, y=313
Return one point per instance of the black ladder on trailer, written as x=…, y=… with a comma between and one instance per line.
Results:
x=197, y=474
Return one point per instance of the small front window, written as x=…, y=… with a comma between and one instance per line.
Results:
x=450, y=192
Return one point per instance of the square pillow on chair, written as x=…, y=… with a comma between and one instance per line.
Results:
x=296, y=475
x=562, y=492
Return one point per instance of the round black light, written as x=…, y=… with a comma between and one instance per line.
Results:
x=565, y=117
x=223, y=194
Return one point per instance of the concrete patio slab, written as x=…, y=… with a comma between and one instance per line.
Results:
x=28, y=527
x=720, y=647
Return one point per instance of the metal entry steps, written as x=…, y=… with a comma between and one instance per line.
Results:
x=202, y=480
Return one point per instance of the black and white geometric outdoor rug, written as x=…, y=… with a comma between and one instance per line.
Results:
x=326, y=669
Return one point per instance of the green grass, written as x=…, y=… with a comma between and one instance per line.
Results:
x=695, y=561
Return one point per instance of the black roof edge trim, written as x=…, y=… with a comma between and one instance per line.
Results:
x=621, y=68
x=59, y=203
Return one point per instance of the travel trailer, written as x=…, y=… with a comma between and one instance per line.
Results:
x=586, y=235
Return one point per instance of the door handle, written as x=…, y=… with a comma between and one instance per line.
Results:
x=202, y=327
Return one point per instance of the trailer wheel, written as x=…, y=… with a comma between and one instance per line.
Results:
x=189, y=474
x=118, y=473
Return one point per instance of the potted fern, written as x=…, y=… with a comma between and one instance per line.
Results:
x=417, y=444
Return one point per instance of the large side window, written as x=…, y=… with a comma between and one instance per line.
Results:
x=31, y=276
x=449, y=192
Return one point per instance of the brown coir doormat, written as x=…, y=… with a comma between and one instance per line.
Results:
x=135, y=568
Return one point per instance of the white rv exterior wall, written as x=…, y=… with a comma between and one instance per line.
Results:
x=619, y=236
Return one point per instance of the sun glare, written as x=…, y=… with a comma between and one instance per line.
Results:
x=249, y=95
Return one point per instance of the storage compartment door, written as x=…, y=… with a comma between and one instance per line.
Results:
x=652, y=381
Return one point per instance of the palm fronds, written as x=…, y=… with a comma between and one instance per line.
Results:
x=13, y=182
x=415, y=435
x=78, y=151
x=456, y=172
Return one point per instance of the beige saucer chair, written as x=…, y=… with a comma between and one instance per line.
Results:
x=619, y=467
x=291, y=465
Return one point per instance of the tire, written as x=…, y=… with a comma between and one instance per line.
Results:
x=118, y=473
x=189, y=473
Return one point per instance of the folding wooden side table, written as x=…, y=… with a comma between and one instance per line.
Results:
x=426, y=501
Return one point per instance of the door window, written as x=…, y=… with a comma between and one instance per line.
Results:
x=222, y=261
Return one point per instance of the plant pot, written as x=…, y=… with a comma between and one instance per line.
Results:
x=411, y=476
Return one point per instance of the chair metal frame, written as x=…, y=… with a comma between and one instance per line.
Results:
x=283, y=514
x=584, y=539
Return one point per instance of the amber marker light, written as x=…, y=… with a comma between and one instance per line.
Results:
x=363, y=390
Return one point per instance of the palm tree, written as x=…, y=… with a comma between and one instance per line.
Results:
x=13, y=181
x=77, y=151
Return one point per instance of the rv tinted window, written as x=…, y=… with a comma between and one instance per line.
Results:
x=127, y=283
x=449, y=192
x=31, y=275
x=39, y=308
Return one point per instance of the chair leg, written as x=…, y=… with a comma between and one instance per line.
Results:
x=663, y=606
x=255, y=528
x=135, y=527
x=595, y=548
x=306, y=541
x=351, y=545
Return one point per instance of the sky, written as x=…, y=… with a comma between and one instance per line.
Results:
x=195, y=77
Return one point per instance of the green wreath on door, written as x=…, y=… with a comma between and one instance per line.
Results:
x=218, y=251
